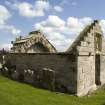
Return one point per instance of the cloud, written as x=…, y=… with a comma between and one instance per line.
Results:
x=73, y=22
x=102, y=24
x=6, y=46
x=4, y=26
x=28, y=10
x=53, y=21
x=12, y=4
x=37, y=9
x=10, y=28
x=58, y=8
x=4, y=14
x=62, y=33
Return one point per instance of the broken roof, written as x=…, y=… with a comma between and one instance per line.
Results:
x=36, y=35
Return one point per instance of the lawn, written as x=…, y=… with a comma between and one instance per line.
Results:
x=14, y=93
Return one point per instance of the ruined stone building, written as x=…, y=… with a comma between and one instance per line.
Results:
x=35, y=42
x=79, y=70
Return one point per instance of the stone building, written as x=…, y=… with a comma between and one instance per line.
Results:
x=90, y=50
x=79, y=70
x=35, y=42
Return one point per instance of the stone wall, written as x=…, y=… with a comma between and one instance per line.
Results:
x=86, y=75
x=102, y=70
x=0, y=58
x=86, y=63
x=87, y=60
x=102, y=63
x=63, y=65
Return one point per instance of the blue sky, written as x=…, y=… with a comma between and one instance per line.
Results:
x=60, y=20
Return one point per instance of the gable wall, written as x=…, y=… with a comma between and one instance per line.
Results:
x=86, y=65
x=37, y=48
x=86, y=62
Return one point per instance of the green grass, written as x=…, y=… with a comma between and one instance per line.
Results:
x=14, y=93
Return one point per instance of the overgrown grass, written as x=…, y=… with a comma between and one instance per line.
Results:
x=14, y=93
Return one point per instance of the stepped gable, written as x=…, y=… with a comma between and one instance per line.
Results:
x=86, y=37
x=36, y=40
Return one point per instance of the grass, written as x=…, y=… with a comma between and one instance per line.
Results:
x=14, y=93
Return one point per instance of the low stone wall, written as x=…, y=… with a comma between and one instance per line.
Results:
x=51, y=71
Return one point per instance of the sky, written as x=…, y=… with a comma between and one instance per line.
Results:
x=61, y=21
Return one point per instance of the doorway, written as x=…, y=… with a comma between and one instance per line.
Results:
x=97, y=70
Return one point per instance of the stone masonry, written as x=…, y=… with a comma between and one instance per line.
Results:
x=35, y=42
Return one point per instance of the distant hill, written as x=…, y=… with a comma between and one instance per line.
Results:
x=14, y=93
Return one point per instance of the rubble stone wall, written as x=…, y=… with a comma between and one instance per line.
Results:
x=63, y=65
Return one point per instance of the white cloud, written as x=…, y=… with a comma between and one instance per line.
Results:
x=4, y=26
x=28, y=10
x=53, y=21
x=73, y=22
x=86, y=20
x=6, y=46
x=10, y=28
x=41, y=5
x=58, y=8
x=102, y=24
x=4, y=14
x=37, y=9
